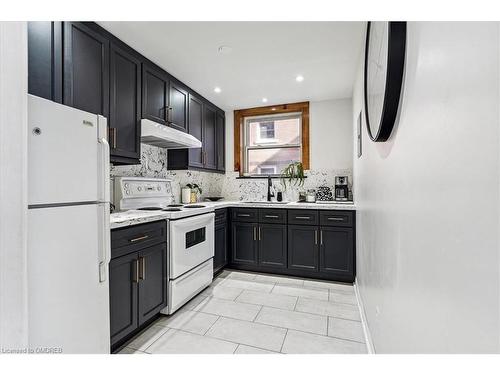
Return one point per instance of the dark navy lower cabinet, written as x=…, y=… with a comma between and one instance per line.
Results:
x=137, y=278
x=314, y=244
x=244, y=243
x=336, y=251
x=272, y=245
x=221, y=236
x=122, y=296
x=303, y=247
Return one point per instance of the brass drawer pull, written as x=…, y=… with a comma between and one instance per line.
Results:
x=303, y=217
x=336, y=218
x=255, y=233
x=272, y=216
x=243, y=215
x=139, y=238
x=316, y=237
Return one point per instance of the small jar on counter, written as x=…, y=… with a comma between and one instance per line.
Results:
x=311, y=196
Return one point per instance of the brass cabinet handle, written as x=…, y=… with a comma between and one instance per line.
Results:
x=316, y=237
x=112, y=137
x=142, y=268
x=243, y=215
x=303, y=217
x=135, y=277
x=255, y=233
x=139, y=238
x=321, y=237
x=259, y=234
x=271, y=216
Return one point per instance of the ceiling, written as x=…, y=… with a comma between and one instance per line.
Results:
x=263, y=61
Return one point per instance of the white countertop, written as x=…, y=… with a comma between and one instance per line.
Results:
x=133, y=217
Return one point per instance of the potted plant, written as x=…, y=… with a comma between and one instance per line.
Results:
x=195, y=190
x=293, y=174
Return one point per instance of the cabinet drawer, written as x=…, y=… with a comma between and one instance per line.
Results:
x=336, y=218
x=245, y=214
x=126, y=240
x=277, y=216
x=303, y=217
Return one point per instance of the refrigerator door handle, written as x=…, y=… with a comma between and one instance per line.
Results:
x=104, y=241
x=104, y=160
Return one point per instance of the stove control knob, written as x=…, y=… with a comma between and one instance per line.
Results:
x=139, y=188
x=126, y=185
x=127, y=192
x=158, y=188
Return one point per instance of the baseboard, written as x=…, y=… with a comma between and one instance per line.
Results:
x=364, y=321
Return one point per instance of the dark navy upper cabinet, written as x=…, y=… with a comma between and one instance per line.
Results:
x=85, y=69
x=154, y=94
x=178, y=106
x=124, y=105
x=220, y=140
x=195, y=120
x=45, y=60
x=82, y=65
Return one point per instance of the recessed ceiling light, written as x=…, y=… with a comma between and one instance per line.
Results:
x=264, y=100
x=217, y=90
x=299, y=78
x=273, y=109
x=225, y=50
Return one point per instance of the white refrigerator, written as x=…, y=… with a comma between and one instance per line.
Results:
x=68, y=229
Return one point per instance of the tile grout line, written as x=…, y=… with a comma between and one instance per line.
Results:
x=209, y=328
x=283, y=343
x=261, y=307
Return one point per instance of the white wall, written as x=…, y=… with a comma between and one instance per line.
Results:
x=428, y=219
x=13, y=187
x=330, y=134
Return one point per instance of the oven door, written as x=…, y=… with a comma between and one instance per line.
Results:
x=191, y=243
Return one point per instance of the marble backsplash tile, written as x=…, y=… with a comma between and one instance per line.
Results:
x=154, y=164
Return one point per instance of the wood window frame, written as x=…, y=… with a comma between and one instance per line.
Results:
x=240, y=114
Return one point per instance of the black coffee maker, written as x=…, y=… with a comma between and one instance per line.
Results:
x=341, y=188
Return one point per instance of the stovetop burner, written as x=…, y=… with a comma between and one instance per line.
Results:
x=175, y=205
x=149, y=208
x=195, y=206
x=171, y=209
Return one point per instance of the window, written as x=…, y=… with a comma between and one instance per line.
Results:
x=266, y=132
x=267, y=139
x=271, y=143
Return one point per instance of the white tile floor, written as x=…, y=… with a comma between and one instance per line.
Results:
x=249, y=313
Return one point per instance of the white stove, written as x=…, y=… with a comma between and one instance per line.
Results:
x=190, y=234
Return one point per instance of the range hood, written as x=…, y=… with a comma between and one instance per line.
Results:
x=153, y=133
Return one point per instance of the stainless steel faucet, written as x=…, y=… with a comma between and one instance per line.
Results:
x=269, y=186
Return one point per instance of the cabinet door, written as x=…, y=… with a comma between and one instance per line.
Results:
x=244, y=243
x=123, y=296
x=209, y=137
x=178, y=107
x=220, y=256
x=125, y=101
x=272, y=245
x=337, y=251
x=86, y=69
x=152, y=281
x=220, y=141
x=303, y=247
x=44, y=60
x=154, y=94
x=195, y=127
